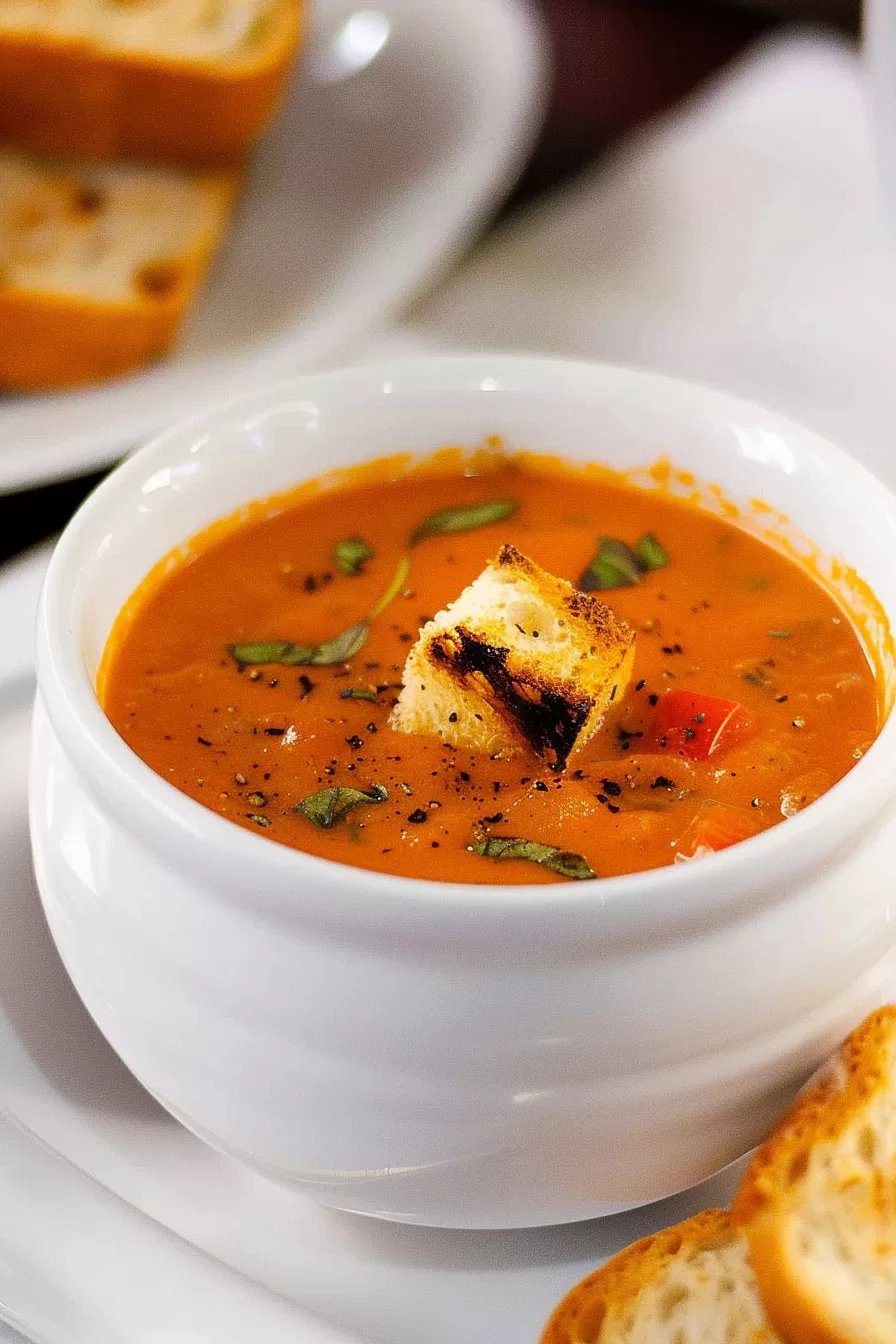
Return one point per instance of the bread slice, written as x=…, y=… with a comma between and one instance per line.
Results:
x=692, y=1284
x=190, y=82
x=98, y=265
x=818, y=1203
x=520, y=660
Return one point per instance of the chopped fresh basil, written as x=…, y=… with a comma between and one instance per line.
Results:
x=758, y=584
x=258, y=819
x=779, y=634
x=398, y=581
x=618, y=566
x=756, y=677
x=273, y=651
x=343, y=647
x=328, y=806
x=359, y=693
x=465, y=518
x=614, y=566
x=651, y=555
x=351, y=554
x=559, y=861
x=337, y=650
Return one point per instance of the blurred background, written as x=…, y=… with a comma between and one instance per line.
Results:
x=616, y=65
x=619, y=62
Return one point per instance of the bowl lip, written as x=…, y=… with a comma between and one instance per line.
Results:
x=148, y=804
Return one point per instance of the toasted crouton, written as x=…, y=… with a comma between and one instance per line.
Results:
x=520, y=660
x=692, y=1284
x=818, y=1203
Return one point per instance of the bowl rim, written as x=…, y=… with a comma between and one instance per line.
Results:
x=148, y=804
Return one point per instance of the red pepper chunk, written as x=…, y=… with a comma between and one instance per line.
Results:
x=699, y=725
x=716, y=826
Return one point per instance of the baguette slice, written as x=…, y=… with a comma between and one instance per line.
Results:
x=818, y=1203
x=188, y=82
x=692, y=1284
x=520, y=660
x=98, y=265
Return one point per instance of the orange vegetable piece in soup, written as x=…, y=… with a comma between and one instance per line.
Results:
x=260, y=675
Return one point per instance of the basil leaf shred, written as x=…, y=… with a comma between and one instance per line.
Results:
x=336, y=650
x=464, y=518
x=616, y=565
x=328, y=806
x=351, y=554
x=756, y=677
x=399, y=579
x=271, y=651
x=650, y=554
x=343, y=647
x=559, y=861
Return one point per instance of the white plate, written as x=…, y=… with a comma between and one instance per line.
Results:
x=385, y=1283
x=406, y=123
x=83, y=1267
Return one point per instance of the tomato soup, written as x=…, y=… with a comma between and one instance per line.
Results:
x=257, y=671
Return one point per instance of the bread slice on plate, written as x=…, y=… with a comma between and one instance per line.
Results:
x=692, y=1284
x=191, y=82
x=818, y=1203
x=98, y=264
x=521, y=660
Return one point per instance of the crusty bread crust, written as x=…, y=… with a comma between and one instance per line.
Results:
x=840, y=1100
x=483, y=678
x=70, y=96
x=580, y=1317
x=51, y=341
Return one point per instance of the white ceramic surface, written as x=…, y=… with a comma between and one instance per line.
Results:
x=405, y=126
x=452, y=1055
x=81, y=1267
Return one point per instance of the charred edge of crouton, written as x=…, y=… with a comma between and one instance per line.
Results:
x=605, y=625
x=545, y=717
x=509, y=557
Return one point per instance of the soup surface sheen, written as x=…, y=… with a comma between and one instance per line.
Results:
x=727, y=616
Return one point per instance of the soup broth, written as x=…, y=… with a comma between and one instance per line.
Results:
x=751, y=693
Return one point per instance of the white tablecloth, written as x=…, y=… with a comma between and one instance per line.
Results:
x=738, y=240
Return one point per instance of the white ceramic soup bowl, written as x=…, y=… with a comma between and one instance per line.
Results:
x=471, y=1056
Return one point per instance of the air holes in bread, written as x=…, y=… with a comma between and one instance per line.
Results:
x=157, y=279
x=87, y=200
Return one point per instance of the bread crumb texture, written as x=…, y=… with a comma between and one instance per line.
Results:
x=521, y=660
x=818, y=1203
x=691, y=1284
